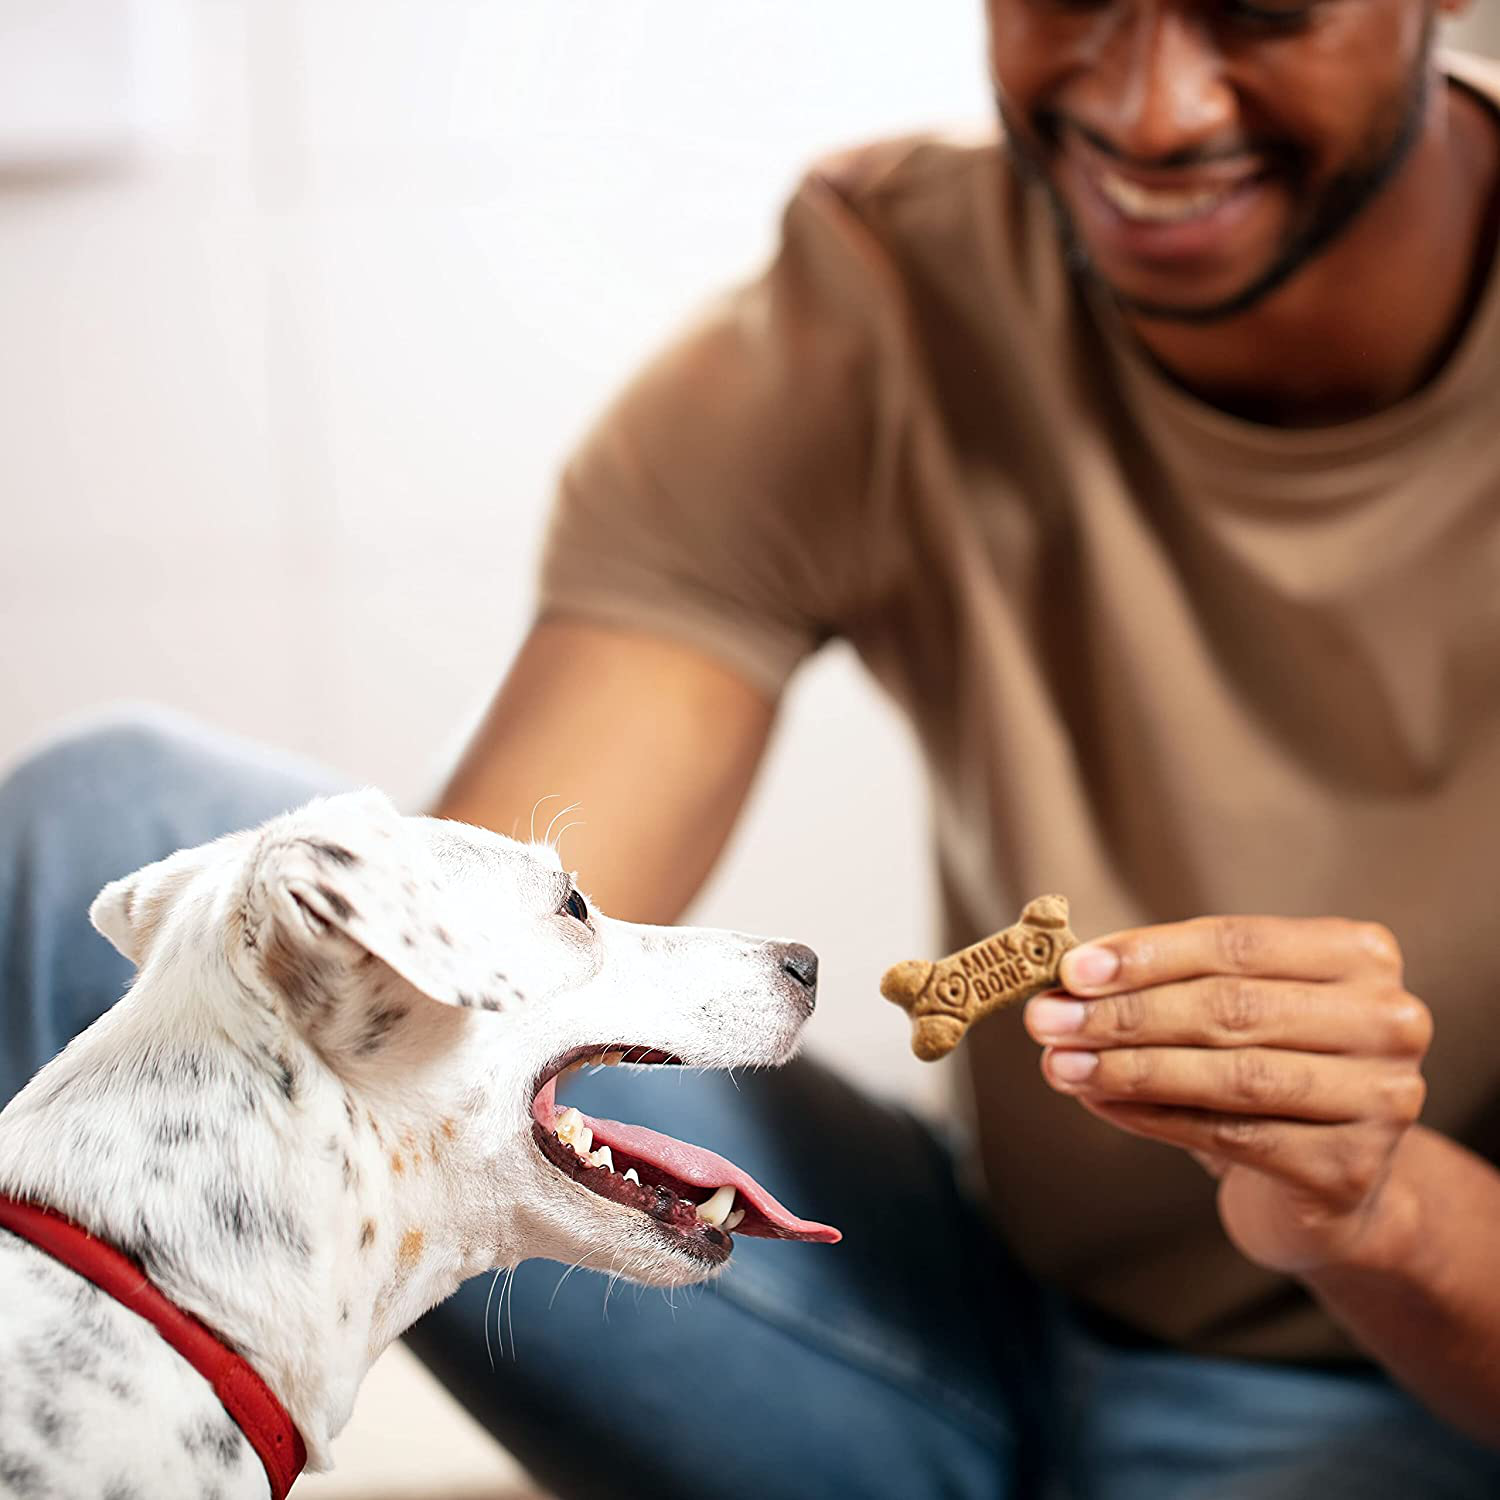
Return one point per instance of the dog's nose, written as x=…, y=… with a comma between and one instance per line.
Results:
x=802, y=964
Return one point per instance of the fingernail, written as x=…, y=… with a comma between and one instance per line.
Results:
x=1056, y=1017
x=1073, y=1067
x=1087, y=968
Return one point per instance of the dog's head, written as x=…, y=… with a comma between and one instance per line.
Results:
x=443, y=977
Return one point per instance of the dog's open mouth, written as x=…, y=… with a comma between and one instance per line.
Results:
x=699, y=1198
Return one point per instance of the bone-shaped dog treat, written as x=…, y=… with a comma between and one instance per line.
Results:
x=945, y=997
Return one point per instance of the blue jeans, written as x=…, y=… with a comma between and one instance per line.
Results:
x=912, y=1361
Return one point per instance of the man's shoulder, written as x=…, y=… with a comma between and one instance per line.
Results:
x=932, y=161
x=903, y=184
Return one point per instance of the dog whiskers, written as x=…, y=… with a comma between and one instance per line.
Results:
x=555, y=1290
x=490, y=1352
x=537, y=804
x=561, y=813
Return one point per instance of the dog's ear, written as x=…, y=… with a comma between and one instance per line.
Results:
x=344, y=878
x=130, y=911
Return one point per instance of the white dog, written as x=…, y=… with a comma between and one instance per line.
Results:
x=328, y=1099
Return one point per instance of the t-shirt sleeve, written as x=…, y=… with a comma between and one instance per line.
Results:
x=719, y=501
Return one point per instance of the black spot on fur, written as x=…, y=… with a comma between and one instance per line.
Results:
x=350, y=1175
x=367, y=1234
x=343, y=1312
x=283, y=1072
x=335, y=852
x=378, y=1025
x=253, y=1222
x=409, y=939
x=50, y=1423
x=336, y=903
x=177, y=1130
x=216, y=1438
x=443, y=936
x=21, y=1478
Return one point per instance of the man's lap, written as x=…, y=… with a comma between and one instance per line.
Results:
x=903, y=1362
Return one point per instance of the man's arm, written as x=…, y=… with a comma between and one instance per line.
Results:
x=658, y=742
x=1423, y=1294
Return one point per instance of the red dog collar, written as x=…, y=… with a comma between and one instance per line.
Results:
x=246, y=1397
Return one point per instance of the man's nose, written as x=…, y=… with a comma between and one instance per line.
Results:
x=801, y=963
x=1162, y=88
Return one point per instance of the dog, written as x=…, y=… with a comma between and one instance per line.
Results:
x=329, y=1097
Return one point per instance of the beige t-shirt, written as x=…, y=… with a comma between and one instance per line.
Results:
x=1160, y=659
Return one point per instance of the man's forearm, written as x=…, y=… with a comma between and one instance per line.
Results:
x=1423, y=1298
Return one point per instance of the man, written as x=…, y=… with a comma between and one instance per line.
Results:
x=1149, y=459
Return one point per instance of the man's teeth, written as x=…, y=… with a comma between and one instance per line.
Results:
x=1159, y=205
x=717, y=1209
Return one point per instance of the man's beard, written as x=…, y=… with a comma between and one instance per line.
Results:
x=1338, y=205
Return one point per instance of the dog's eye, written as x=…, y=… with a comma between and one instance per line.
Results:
x=576, y=906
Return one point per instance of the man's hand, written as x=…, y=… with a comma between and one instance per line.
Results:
x=1285, y=1054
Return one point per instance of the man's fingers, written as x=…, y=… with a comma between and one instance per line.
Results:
x=1341, y=1164
x=1305, y=948
x=1234, y=1010
x=1257, y=1081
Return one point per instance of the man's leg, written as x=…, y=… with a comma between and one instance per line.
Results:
x=1163, y=1426
x=898, y=1363
x=889, y=1365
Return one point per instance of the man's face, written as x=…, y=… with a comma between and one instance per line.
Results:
x=1200, y=152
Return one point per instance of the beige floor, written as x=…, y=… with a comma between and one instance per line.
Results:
x=409, y=1441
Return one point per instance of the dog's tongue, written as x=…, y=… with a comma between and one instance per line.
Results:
x=703, y=1169
x=695, y=1167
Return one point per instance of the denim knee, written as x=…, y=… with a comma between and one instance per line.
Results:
x=65, y=773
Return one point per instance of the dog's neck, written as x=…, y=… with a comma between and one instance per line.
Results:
x=303, y=1220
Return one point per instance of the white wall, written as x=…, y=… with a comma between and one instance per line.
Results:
x=282, y=394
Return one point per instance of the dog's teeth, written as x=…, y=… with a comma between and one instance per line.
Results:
x=604, y=1157
x=716, y=1210
x=733, y=1221
x=613, y=1059
x=571, y=1131
x=633, y=1176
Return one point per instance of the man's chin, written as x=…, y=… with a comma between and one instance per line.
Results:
x=1182, y=303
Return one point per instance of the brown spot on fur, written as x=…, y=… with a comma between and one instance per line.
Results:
x=367, y=1234
x=411, y=1248
x=397, y=1165
x=296, y=974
